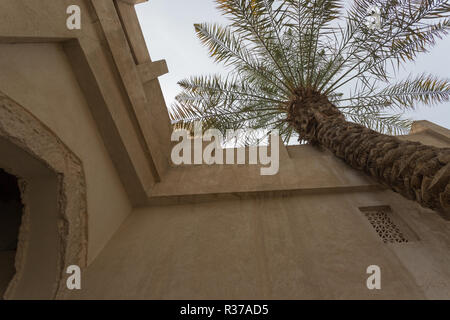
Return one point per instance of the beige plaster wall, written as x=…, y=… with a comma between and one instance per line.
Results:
x=304, y=241
x=291, y=247
x=39, y=77
x=301, y=169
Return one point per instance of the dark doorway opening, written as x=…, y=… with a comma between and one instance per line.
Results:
x=11, y=209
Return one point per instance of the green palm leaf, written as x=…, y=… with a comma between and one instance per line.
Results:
x=276, y=49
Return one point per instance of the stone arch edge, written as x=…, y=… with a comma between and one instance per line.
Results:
x=20, y=127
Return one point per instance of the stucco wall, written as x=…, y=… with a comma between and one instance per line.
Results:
x=293, y=247
x=40, y=78
x=292, y=244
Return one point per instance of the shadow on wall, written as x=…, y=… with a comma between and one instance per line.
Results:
x=10, y=219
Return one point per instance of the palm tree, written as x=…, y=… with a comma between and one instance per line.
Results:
x=325, y=74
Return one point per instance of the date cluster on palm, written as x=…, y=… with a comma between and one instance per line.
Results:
x=418, y=172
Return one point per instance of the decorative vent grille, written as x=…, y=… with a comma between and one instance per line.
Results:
x=388, y=231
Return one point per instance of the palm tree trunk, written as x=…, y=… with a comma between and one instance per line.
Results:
x=418, y=172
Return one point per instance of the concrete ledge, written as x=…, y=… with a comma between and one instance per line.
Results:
x=158, y=117
x=428, y=133
x=199, y=198
x=302, y=169
x=133, y=2
x=130, y=23
x=422, y=126
x=151, y=70
x=126, y=66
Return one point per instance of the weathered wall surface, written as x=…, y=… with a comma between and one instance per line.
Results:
x=293, y=247
x=301, y=169
x=40, y=78
x=429, y=133
x=310, y=243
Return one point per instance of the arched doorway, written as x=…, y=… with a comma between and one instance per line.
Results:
x=11, y=209
x=44, y=187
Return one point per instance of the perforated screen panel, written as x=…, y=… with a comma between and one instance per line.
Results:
x=388, y=231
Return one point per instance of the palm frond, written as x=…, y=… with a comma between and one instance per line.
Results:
x=403, y=95
x=276, y=48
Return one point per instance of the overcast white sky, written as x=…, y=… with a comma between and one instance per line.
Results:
x=168, y=30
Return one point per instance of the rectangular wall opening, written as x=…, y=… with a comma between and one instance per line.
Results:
x=388, y=225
